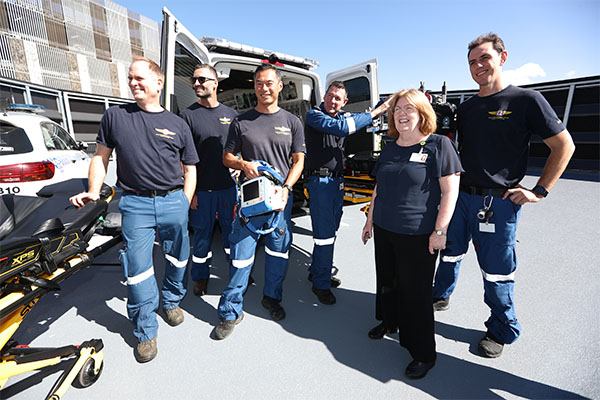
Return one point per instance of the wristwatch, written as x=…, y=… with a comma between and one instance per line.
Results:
x=540, y=191
x=288, y=187
x=440, y=233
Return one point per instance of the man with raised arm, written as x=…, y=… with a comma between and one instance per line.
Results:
x=325, y=131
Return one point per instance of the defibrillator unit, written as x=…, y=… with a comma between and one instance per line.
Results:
x=263, y=194
x=260, y=196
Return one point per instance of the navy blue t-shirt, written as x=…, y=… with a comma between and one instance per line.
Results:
x=408, y=192
x=150, y=147
x=494, y=133
x=209, y=129
x=267, y=137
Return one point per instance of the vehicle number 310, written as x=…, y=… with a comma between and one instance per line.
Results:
x=9, y=190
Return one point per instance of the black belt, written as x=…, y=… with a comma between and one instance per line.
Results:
x=153, y=193
x=478, y=191
x=325, y=173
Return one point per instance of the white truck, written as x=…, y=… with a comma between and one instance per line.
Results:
x=235, y=64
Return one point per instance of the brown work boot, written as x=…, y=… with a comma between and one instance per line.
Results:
x=174, y=316
x=490, y=346
x=146, y=351
x=225, y=328
x=200, y=287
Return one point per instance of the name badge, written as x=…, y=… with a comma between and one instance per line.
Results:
x=488, y=228
x=418, y=157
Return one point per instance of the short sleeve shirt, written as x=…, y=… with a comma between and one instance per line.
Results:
x=150, y=147
x=209, y=128
x=408, y=192
x=267, y=137
x=494, y=134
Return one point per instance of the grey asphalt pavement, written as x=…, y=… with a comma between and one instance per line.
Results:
x=323, y=352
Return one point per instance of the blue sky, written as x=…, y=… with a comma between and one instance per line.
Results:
x=413, y=40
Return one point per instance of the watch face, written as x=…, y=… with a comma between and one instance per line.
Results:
x=540, y=190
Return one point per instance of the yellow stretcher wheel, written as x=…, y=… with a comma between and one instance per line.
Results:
x=87, y=376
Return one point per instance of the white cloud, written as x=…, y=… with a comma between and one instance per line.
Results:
x=524, y=74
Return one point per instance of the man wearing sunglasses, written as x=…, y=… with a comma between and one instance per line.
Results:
x=215, y=189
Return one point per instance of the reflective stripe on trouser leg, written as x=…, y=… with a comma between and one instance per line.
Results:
x=202, y=220
x=277, y=245
x=172, y=220
x=459, y=235
x=326, y=201
x=243, y=246
x=497, y=258
x=138, y=229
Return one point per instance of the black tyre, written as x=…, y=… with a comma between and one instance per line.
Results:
x=86, y=376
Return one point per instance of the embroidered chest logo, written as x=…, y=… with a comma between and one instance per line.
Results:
x=282, y=130
x=225, y=121
x=165, y=133
x=500, y=114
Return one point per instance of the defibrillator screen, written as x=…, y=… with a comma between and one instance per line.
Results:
x=250, y=191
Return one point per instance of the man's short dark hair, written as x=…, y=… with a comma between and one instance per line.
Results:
x=207, y=66
x=491, y=37
x=338, y=85
x=265, y=67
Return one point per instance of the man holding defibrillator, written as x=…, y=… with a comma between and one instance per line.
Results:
x=325, y=131
x=272, y=136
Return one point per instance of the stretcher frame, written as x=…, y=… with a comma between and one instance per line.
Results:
x=39, y=271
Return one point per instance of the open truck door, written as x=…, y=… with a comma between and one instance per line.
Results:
x=180, y=53
x=235, y=64
x=362, y=84
x=362, y=148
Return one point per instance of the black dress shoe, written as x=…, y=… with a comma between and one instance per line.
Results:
x=380, y=330
x=418, y=369
x=275, y=310
x=325, y=296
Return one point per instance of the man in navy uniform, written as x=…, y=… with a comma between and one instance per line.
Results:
x=494, y=129
x=271, y=134
x=325, y=131
x=215, y=189
x=151, y=145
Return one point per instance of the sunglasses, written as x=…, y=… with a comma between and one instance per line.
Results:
x=201, y=79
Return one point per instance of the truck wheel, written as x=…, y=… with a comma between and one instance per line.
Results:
x=86, y=376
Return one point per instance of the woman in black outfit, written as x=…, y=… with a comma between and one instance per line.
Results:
x=417, y=186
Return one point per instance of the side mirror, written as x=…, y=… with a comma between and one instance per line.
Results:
x=82, y=145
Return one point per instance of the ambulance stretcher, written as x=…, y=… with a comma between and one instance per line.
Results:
x=34, y=265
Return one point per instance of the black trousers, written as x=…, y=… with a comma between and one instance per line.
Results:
x=404, y=282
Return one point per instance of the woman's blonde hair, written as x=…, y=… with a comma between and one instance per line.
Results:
x=427, y=116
